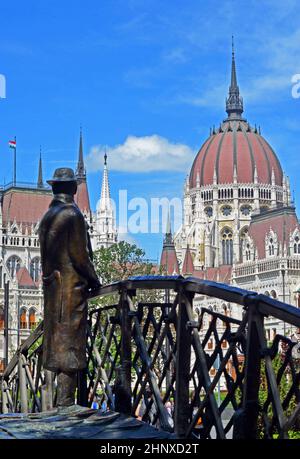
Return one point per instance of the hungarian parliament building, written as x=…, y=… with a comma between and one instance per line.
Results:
x=239, y=226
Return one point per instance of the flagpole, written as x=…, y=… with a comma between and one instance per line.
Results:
x=15, y=162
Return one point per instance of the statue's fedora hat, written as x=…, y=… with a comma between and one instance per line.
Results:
x=63, y=174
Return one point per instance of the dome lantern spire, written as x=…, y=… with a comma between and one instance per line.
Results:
x=234, y=102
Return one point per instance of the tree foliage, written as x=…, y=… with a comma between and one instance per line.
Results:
x=284, y=387
x=120, y=261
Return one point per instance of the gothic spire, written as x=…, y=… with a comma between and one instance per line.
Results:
x=40, y=182
x=105, y=215
x=80, y=171
x=168, y=260
x=234, y=102
x=105, y=193
x=168, y=235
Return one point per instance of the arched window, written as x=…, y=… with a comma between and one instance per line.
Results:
x=271, y=244
x=296, y=245
x=248, y=252
x=13, y=265
x=32, y=319
x=23, y=319
x=227, y=247
x=35, y=269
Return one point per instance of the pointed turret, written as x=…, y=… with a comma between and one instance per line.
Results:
x=105, y=220
x=80, y=170
x=82, y=198
x=105, y=203
x=168, y=260
x=40, y=182
x=188, y=264
x=234, y=102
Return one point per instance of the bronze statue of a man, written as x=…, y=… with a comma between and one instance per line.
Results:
x=68, y=275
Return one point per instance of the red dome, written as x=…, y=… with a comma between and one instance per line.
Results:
x=235, y=145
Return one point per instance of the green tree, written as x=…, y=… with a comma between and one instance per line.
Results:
x=284, y=388
x=120, y=261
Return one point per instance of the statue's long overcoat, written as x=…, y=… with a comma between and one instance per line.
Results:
x=68, y=272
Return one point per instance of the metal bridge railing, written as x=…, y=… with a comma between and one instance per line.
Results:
x=145, y=350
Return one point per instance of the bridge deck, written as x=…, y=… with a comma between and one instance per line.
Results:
x=78, y=423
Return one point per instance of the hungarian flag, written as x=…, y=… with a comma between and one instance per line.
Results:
x=12, y=144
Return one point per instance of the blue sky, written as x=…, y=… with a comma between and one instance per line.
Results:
x=144, y=75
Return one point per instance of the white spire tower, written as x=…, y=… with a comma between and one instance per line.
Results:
x=105, y=216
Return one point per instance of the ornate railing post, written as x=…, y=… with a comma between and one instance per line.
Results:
x=183, y=362
x=123, y=379
x=47, y=391
x=4, y=397
x=22, y=385
x=245, y=425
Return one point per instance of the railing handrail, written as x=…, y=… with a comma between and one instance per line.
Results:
x=265, y=305
x=136, y=351
x=230, y=293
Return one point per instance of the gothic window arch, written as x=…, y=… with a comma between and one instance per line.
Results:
x=13, y=265
x=32, y=318
x=23, y=319
x=227, y=246
x=35, y=269
x=271, y=244
x=297, y=245
x=294, y=248
x=248, y=252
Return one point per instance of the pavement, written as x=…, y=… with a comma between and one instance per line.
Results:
x=76, y=423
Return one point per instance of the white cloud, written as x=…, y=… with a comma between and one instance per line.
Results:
x=142, y=154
